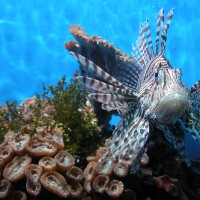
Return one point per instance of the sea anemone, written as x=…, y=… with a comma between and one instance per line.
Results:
x=64, y=160
x=48, y=164
x=100, y=183
x=75, y=174
x=115, y=188
x=55, y=183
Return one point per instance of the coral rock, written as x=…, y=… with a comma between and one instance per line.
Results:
x=5, y=188
x=120, y=169
x=75, y=174
x=39, y=146
x=48, y=164
x=90, y=172
x=100, y=183
x=14, y=170
x=33, y=173
x=115, y=188
x=6, y=153
x=76, y=189
x=64, y=160
x=104, y=168
x=55, y=183
x=19, y=144
x=168, y=184
x=17, y=195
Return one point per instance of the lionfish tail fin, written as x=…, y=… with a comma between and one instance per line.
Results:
x=143, y=52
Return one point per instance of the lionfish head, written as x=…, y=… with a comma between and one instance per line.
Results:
x=169, y=96
x=162, y=93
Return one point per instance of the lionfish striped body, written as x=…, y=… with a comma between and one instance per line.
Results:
x=150, y=93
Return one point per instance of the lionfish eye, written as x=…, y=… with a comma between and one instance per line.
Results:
x=156, y=75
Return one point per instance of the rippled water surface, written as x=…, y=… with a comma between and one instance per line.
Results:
x=33, y=32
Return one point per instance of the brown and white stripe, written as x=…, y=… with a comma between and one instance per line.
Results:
x=93, y=85
x=91, y=67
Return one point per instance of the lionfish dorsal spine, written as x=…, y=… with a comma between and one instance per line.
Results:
x=143, y=52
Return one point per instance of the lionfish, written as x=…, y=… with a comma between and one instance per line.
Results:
x=148, y=94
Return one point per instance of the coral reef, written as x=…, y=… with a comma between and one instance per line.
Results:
x=40, y=158
x=42, y=165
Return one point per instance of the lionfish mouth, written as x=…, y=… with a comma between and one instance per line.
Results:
x=171, y=107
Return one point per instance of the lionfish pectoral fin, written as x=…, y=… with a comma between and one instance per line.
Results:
x=91, y=67
x=128, y=140
x=177, y=142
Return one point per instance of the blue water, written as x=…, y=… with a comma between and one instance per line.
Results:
x=33, y=32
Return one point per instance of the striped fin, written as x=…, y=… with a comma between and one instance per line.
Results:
x=144, y=44
x=131, y=135
x=158, y=25
x=92, y=85
x=105, y=98
x=164, y=30
x=144, y=52
x=137, y=159
x=177, y=143
x=114, y=105
x=96, y=70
